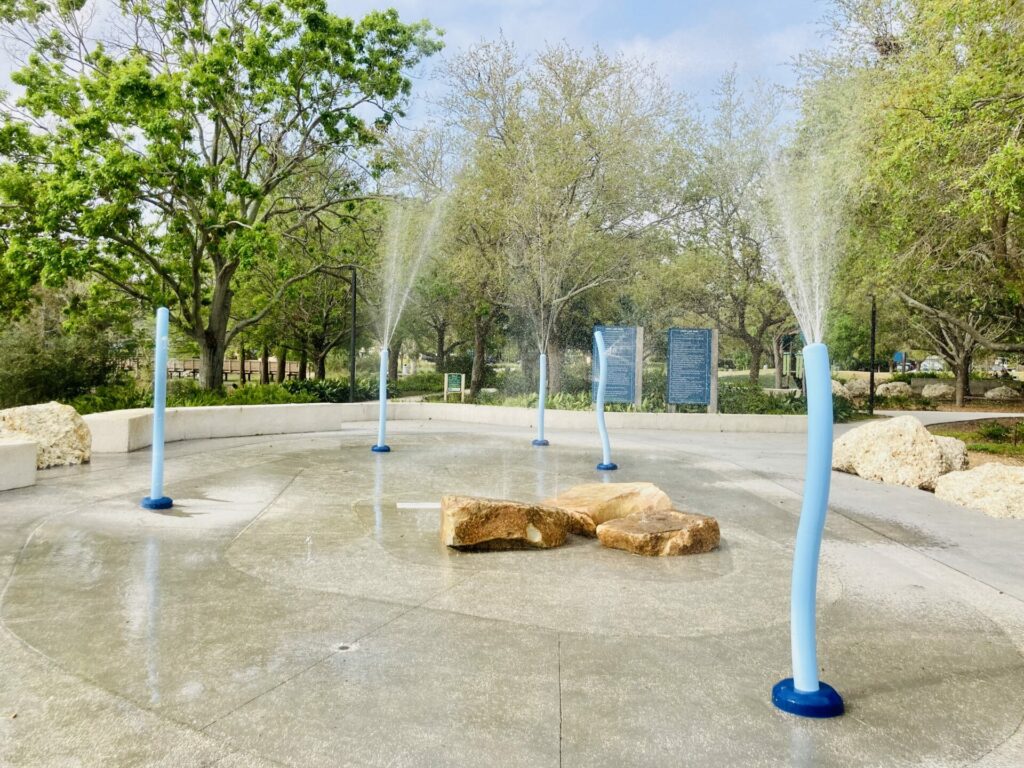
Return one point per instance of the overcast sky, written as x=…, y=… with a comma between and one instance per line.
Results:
x=692, y=42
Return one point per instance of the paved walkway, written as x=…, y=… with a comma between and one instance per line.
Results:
x=295, y=608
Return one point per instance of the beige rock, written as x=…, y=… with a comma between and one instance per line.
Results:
x=62, y=435
x=898, y=451
x=1002, y=393
x=938, y=392
x=858, y=387
x=840, y=390
x=607, y=501
x=894, y=389
x=661, y=533
x=995, y=489
x=469, y=522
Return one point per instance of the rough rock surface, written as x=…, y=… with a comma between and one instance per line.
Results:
x=858, y=387
x=608, y=501
x=1002, y=393
x=938, y=392
x=898, y=451
x=894, y=389
x=469, y=522
x=839, y=390
x=995, y=489
x=62, y=435
x=660, y=533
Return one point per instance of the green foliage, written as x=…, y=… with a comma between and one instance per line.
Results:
x=423, y=381
x=112, y=397
x=334, y=390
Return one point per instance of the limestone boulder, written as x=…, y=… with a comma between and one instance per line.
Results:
x=938, y=392
x=898, y=451
x=995, y=489
x=894, y=389
x=62, y=436
x=858, y=387
x=470, y=522
x=661, y=533
x=1002, y=393
x=602, y=502
x=840, y=390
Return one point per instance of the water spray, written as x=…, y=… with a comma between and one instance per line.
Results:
x=602, y=384
x=156, y=498
x=542, y=396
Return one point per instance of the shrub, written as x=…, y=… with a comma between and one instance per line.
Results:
x=112, y=397
x=423, y=381
x=335, y=390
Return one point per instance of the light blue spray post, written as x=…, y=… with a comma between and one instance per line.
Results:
x=382, y=420
x=602, y=384
x=542, y=396
x=804, y=694
x=156, y=498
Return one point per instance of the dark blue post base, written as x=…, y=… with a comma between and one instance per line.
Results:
x=824, y=702
x=541, y=442
x=161, y=503
x=603, y=466
x=381, y=449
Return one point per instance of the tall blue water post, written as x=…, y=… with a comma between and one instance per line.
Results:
x=602, y=385
x=542, y=396
x=804, y=694
x=382, y=418
x=156, y=498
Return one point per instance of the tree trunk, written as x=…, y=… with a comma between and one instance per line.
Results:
x=241, y=361
x=394, y=350
x=303, y=364
x=211, y=363
x=282, y=364
x=555, y=357
x=756, y=351
x=963, y=379
x=321, y=366
x=265, y=365
x=481, y=329
x=441, y=329
x=777, y=359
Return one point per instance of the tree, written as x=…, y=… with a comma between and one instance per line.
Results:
x=577, y=159
x=159, y=157
x=724, y=271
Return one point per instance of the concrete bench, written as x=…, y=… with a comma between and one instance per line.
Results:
x=17, y=462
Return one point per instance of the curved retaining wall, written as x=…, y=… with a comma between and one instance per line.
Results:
x=130, y=430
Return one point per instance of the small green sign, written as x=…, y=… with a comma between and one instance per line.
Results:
x=454, y=382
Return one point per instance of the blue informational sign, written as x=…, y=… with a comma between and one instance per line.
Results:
x=689, y=366
x=621, y=345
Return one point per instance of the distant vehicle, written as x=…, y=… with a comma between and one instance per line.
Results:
x=932, y=365
x=999, y=367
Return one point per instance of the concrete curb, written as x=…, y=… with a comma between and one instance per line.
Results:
x=130, y=430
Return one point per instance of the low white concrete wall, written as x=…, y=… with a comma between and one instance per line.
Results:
x=130, y=430
x=17, y=462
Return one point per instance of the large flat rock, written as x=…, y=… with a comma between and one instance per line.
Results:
x=661, y=533
x=602, y=502
x=995, y=489
x=60, y=434
x=471, y=522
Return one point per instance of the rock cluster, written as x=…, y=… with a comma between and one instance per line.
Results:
x=938, y=392
x=894, y=389
x=995, y=489
x=1002, y=393
x=635, y=517
x=898, y=451
x=858, y=387
x=839, y=390
x=62, y=436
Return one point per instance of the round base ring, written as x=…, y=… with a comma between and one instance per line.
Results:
x=824, y=702
x=381, y=449
x=602, y=466
x=160, y=503
x=541, y=442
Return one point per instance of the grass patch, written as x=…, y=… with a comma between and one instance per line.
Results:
x=1000, y=437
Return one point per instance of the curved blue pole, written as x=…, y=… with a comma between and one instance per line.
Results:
x=382, y=393
x=602, y=385
x=542, y=396
x=804, y=694
x=156, y=498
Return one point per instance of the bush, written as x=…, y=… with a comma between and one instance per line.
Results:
x=424, y=381
x=112, y=397
x=335, y=390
